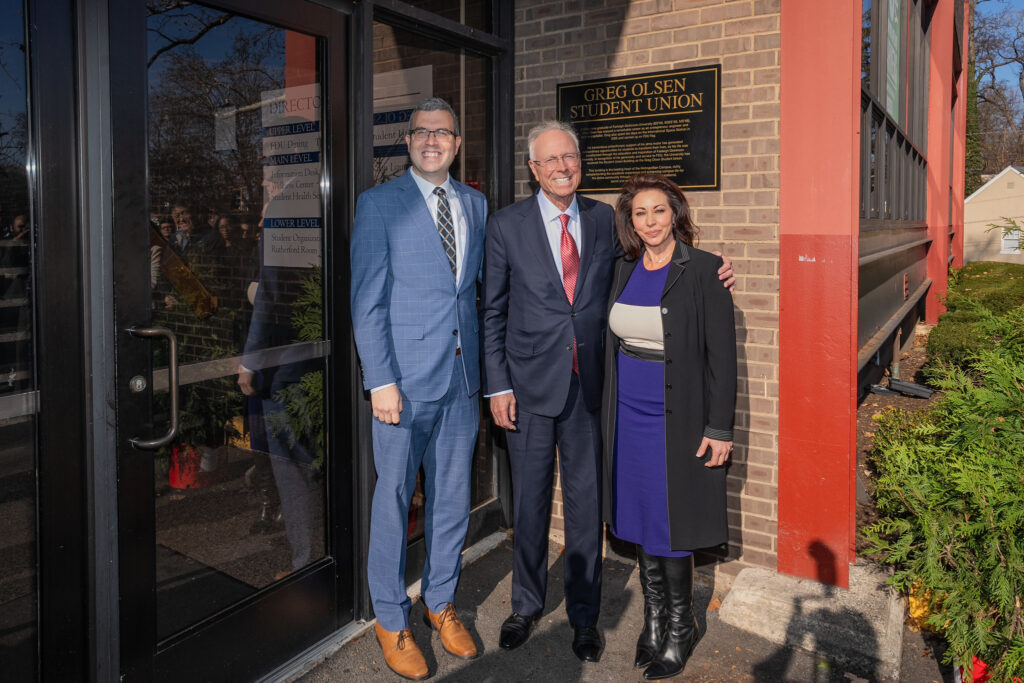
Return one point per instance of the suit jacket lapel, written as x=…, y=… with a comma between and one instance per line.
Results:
x=421, y=218
x=677, y=266
x=469, y=214
x=588, y=236
x=537, y=238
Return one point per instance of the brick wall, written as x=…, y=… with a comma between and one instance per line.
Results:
x=560, y=41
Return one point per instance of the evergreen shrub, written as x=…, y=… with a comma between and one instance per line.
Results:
x=303, y=415
x=979, y=295
x=950, y=495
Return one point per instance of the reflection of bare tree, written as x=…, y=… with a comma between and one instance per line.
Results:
x=997, y=43
x=865, y=47
x=383, y=165
x=186, y=94
x=13, y=179
x=179, y=22
x=13, y=131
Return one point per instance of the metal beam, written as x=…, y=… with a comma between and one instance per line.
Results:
x=878, y=338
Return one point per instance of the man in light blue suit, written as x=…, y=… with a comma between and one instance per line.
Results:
x=417, y=249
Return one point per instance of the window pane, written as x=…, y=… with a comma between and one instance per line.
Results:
x=1011, y=242
x=472, y=13
x=865, y=46
x=236, y=236
x=17, y=379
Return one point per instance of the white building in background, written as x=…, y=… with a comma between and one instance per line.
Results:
x=991, y=204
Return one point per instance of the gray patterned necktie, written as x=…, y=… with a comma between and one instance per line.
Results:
x=445, y=225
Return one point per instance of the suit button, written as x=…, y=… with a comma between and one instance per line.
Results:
x=667, y=335
x=455, y=332
x=668, y=361
x=668, y=387
x=668, y=411
x=664, y=311
x=568, y=347
x=574, y=314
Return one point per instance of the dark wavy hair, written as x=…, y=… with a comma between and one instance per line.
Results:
x=683, y=227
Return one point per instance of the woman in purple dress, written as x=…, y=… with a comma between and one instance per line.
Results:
x=670, y=394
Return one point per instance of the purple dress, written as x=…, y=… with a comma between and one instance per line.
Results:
x=641, y=499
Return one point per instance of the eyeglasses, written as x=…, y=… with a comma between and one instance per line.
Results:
x=421, y=134
x=571, y=159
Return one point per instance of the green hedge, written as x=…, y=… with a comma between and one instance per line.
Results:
x=977, y=294
x=950, y=484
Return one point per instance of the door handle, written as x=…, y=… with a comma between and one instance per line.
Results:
x=172, y=386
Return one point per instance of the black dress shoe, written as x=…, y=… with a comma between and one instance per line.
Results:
x=515, y=631
x=586, y=643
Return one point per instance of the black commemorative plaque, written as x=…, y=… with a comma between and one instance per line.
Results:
x=666, y=122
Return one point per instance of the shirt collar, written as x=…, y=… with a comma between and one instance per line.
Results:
x=549, y=212
x=426, y=187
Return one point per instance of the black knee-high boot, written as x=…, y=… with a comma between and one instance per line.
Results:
x=681, y=636
x=652, y=582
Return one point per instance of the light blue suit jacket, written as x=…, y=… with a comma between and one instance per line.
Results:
x=408, y=312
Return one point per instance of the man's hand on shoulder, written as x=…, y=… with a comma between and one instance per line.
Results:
x=503, y=410
x=387, y=404
x=725, y=272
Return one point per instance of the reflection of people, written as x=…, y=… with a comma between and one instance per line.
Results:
x=18, y=228
x=166, y=227
x=249, y=234
x=227, y=240
x=670, y=350
x=416, y=253
x=291, y=460
x=15, y=263
x=15, y=253
x=548, y=267
x=193, y=236
x=161, y=288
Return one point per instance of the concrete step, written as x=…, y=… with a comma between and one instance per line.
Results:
x=860, y=627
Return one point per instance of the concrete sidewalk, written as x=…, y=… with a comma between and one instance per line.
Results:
x=725, y=653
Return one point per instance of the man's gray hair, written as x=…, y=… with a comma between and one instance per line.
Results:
x=435, y=104
x=544, y=127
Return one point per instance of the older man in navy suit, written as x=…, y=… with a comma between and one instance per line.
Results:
x=416, y=254
x=548, y=268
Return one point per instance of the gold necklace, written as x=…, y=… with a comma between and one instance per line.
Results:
x=658, y=261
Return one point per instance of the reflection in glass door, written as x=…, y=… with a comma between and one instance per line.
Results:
x=18, y=601
x=236, y=236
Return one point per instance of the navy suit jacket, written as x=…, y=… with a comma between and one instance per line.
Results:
x=528, y=322
x=408, y=313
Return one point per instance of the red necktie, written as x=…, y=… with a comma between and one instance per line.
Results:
x=570, y=269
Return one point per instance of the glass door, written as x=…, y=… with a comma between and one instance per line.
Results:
x=18, y=397
x=234, y=553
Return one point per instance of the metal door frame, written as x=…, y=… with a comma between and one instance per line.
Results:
x=112, y=97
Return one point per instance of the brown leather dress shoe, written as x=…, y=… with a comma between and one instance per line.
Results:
x=401, y=653
x=455, y=637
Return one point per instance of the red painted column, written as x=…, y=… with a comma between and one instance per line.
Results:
x=960, y=145
x=940, y=103
x=819, y=226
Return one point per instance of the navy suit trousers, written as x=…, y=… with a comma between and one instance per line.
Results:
x=576, y=432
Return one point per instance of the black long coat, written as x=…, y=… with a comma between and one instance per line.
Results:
x=700, y=394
